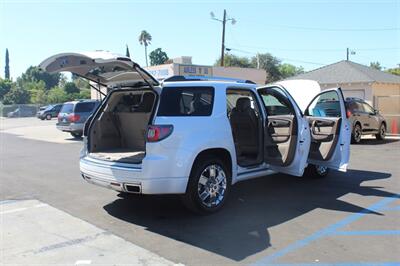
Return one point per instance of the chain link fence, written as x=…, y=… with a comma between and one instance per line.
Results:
x=20, y=110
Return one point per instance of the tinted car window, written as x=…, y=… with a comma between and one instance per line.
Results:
x=368, y=109
x=67, y=108
x=193, y=101
x=84, y=107
x=275, y=101
x=325, y=105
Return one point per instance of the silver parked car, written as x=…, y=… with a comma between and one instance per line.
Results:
x=73, y=116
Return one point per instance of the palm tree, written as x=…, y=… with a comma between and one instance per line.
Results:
x=145, y=39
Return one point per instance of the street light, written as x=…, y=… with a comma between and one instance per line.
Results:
x=223, y=21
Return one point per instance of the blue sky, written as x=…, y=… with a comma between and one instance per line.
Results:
x=303, y=33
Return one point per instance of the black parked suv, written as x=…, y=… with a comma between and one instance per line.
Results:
x=365, y=120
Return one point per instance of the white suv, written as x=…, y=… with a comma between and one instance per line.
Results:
x=199, y=137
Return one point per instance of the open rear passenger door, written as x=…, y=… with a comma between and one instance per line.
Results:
x=286, y=132
x=330, y=130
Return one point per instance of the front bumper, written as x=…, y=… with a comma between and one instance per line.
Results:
x=123, y=177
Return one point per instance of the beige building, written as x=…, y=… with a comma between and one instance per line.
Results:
x=182, y=66
x=380, y=89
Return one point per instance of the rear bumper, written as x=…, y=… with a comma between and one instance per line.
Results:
x=71, y=127
x=122, y=177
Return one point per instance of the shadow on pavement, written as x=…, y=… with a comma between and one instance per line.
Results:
x=240, y=229
x=376, y=142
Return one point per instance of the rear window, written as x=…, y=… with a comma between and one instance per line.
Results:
x=84, y=107
x=67, y=108
x=182, y=101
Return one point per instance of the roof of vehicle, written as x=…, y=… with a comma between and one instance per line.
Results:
x=81, y=101
x=207, y=78
x=204, y=83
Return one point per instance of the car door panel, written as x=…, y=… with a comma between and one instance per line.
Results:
x=286, y=132
x=280, y=139
x=330, y=130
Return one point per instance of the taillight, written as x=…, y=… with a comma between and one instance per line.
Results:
x=348, y=113
x=74, y=117
x=158, y=132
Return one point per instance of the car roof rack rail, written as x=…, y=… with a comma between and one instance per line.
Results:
x=206, y=78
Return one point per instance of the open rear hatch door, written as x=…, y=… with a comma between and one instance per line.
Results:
x=105, y=68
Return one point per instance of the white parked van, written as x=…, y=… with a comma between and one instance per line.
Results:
x=198, y=137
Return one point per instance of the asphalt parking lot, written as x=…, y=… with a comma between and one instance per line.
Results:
x=345, y=219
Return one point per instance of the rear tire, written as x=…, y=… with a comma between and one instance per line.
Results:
x=76, y=135
x=48, y=117
x=316, y=171
x=382, y=132
x=356, y=134
x=208, y=187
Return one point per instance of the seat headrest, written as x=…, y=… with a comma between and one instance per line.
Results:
x=243, y=104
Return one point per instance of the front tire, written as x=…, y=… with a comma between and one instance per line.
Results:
x=208, y=187
x=356, y=135
x=316, y=171
x=76, y=135
x=48, y=117
x=382, y=132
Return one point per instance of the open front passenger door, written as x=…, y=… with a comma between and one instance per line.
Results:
x=286, y=132
x=330, y=130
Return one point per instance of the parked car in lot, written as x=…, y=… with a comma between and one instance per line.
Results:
x=196, y=136
x=22, y=111
x=365, y=120
x=73, y=116
x=49, y=112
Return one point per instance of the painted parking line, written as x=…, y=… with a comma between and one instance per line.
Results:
x=330, y=230
x=368, y=233
x=338, y=264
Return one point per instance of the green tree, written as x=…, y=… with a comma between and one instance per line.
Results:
x=5, y=87
x=33, y=74
x=70, y=88
x=289, y=70
x=376, y=65
x=7, y=67
x=37, y=91
x=145, y=39
x=231, y=60
x=270, y=64
x=84, y=94
x=394, y=71
x=127, y=52
x=17, y=95
x=57, y=95
x=158, y=57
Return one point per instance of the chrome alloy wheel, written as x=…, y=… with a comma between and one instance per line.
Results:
x=211, y=187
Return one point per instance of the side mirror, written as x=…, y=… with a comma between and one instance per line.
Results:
x=376, y=111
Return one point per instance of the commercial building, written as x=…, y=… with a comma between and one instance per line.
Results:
x=380, y=89
x=182, y=66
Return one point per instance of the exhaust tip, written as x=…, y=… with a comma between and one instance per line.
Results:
x=133, y=188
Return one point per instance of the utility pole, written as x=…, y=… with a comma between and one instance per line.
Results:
x=223, y=21
x=223, y=39
x=348, y=53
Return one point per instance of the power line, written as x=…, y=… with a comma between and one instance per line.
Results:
x=291, y=27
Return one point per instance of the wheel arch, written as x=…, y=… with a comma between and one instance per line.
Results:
x=220, y=153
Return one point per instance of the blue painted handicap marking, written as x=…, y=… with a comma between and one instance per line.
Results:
x=330, y=230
